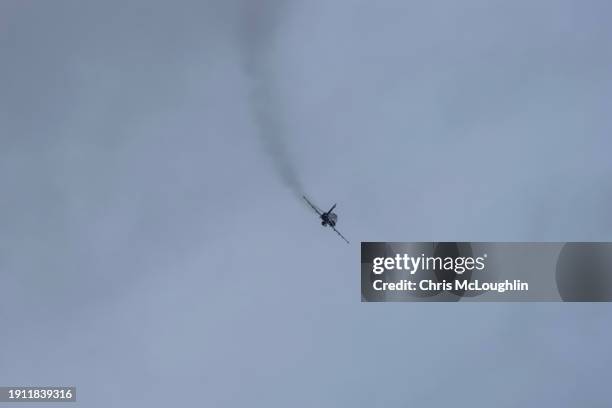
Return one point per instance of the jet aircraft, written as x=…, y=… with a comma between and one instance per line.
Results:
x=328, y=218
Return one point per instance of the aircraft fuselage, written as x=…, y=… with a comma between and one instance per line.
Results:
x=329, y=219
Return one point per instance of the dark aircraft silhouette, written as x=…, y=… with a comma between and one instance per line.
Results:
x=328, y=218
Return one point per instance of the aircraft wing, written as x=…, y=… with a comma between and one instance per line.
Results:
x=342, y=236
x=314, y=207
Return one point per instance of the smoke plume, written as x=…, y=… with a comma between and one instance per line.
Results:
x=256, y=35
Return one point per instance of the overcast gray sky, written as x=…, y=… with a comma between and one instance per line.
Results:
x=153, y=251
